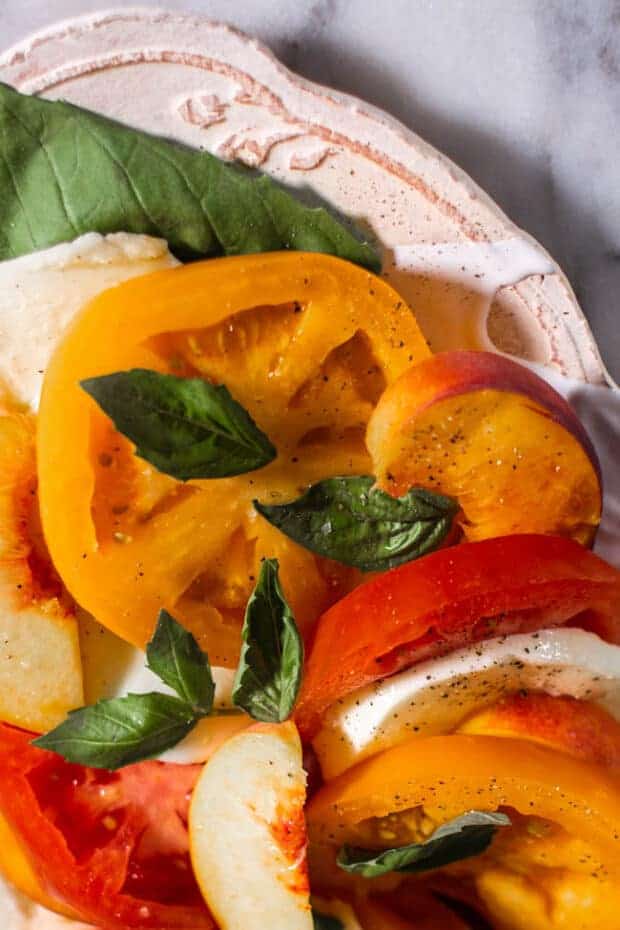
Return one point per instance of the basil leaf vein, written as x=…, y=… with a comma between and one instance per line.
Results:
x=268, y=677
x=65, y=171
x=465, y=836
x=350, y=520
x=174, y=656
x=113, y=733
x=185, y=427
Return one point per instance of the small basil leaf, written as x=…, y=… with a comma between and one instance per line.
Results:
x=326, y=921
x=465, y=836
x=121, y=731
x=272, y=654
x=185, y=427
x=174, y=656
x=65, y=171
x=353, y=522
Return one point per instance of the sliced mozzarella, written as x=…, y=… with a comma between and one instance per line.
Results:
x=247, y=832
x=113, y=668
x=41, y=293
x=435, y=696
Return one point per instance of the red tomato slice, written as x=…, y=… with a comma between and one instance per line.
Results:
x=451, y=598
x=111, y=845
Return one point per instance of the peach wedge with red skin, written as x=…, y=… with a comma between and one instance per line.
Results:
x=576, y=727
x=490, y=432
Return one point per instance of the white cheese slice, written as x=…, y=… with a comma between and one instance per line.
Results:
x=113, y=668
x=435, y=696
x=41, y=293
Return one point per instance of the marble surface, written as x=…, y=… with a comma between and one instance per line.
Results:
x=524, y=95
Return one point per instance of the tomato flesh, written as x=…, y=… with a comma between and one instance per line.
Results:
x=451, y=598
x=113, y=846
x=306, y=343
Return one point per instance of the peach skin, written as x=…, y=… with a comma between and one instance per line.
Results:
x=482, y=428
x=576, y=727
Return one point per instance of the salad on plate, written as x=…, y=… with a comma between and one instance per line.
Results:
x=300, y=621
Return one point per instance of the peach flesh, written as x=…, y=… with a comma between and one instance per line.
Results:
x=576, y=727
x=515, y=454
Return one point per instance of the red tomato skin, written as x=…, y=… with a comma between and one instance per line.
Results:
x=34, y=786
x=452, y=598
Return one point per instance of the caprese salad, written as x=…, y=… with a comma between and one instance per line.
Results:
x=300, y=626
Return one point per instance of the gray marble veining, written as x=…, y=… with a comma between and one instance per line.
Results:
x=523, y=94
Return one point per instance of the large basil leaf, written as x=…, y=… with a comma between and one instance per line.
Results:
x=65, y=171
x=351, y=521
x=325, y=921
x=121, y=731
x=465, y=836
x=269, y=674
x=185, y=427
x=174, y=656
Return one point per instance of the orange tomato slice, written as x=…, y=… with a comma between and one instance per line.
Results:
x=447, y=775
x=560, y=857
x=307, y=343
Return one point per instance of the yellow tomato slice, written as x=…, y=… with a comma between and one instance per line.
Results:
x=556, y=867
x=307, y=343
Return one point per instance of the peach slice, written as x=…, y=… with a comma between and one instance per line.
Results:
x=484, y=429
x=576, y=727
x=248, y=834
x=40, y=665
